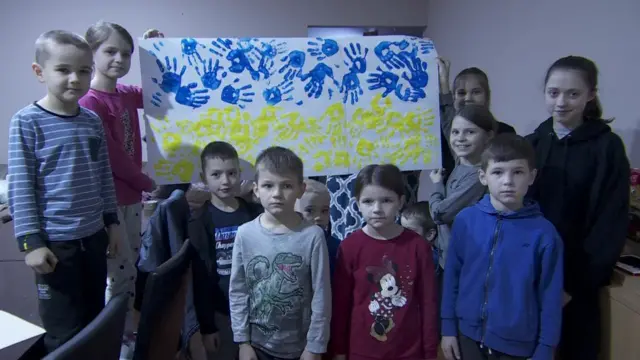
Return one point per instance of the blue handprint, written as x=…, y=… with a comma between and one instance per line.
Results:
x=156, y=99
x=220, y=47
x=357, y=61
x=357, y=64
x=426, y=46
x=189, y=48
x=209, y=75
x=158, y=46
x=388, y=56
x=316, y=77
x=187, y=96
x=272, y=48
x=171, y=79
x=237, y=96
x=274, y=95
x=323, y=48
x=417, y=68
x=383, y=80
x=294, y=63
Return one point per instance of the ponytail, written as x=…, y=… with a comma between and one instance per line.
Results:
x=593, y=110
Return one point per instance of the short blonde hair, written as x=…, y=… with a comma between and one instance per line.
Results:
x=313, y=187
x=58, y=37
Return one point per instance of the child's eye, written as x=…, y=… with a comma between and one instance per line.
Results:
x=63, y=71
x=287, y=186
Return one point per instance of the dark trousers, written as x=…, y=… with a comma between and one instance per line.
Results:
x=73, y=294
x=261, y=355
x=581, y=327
x=471, y=350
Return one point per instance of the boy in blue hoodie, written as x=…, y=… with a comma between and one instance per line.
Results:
x=502, y=293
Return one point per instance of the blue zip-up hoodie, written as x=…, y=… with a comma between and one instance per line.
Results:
x=503, y=280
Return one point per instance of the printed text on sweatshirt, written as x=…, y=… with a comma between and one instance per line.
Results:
x=60, y=182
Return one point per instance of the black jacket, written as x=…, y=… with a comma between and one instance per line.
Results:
x=208, y=298
x=583, y=189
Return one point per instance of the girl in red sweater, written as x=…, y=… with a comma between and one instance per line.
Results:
x=384, y=296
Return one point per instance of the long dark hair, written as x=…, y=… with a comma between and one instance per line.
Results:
x=589, y=71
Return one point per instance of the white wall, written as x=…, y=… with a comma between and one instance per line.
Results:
x=22, y=21
x=515, y=41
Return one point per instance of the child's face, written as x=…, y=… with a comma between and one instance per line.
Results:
x=278, y=192
x=467, y=139
x=469, y=91
x=508, y=183
x=379, y=206
x=66, y=72
x=113, y=57
x=566, y=95
x=222, y=177
x=315, y=208
x=413, y=224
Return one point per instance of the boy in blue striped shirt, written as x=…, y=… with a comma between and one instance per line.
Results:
x=61, y=192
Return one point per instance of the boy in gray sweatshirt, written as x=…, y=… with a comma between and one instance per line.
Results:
x=280, y=292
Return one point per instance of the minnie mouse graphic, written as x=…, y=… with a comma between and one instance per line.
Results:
x=388, y=297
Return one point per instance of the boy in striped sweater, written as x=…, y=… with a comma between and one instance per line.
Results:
x=61, y=191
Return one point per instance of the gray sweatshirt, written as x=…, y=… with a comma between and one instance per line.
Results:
x=463, y=189
x=280, y=291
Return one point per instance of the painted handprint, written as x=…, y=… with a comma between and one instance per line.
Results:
x=209, y=74
x=189, y=48
x=158, y=47
x=383, y=80
x=237, y=95
x=171, y=79
x=188, y=96
x=316, y=78
x=409, y=94
x=323, y=48
x=237, y=57
x=417, y=68
x=156, y=99
x=276, y=94
x=294, y=62
x=357, y=64
x=386, y=52
x=426, y=46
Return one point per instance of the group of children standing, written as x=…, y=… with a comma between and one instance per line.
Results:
x=513, y=223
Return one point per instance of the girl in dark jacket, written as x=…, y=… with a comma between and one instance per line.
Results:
x=583, y=189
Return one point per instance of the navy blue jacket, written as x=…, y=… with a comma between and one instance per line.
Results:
x=503, y=280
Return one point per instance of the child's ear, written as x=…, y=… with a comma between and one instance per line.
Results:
x=482, y=175
x=402, y=201
x=255, y=190
x=534, y=173
x=203, y=178
x=431, y=235
x=37, y=69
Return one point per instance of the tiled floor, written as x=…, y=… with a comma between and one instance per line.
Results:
x=17, y=290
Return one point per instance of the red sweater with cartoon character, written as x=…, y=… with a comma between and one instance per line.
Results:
x=384, y=299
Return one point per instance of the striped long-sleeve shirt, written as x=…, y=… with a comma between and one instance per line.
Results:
x=60, y=181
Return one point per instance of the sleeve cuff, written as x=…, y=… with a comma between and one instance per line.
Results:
x=316, y=347
x=110, y=219
x=449, y=327
x=30, y=242
x=240, y=338
x=543, y=352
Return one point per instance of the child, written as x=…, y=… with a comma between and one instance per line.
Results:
x=117, y=105
x=61, y=192
x=280, y=294
x=583, y=189
x=213, y=231
x=416, y=217
x=470, y=86
x=502, y=294
x=384, y=286
x=471, y=129
x=314, y=207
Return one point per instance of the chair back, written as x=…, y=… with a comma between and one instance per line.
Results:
x=101, y=339
x=163, y=305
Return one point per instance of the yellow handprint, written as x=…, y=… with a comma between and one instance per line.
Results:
x=181, y=169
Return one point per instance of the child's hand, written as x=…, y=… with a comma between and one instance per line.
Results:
x=450, y=348
x=436, y=175
x=565, y=298
x=307, y=355
x=115, y=240
x=41, y=260
x=152, y=33
x=443, y=73
x=211, y=342
x=247, y=352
